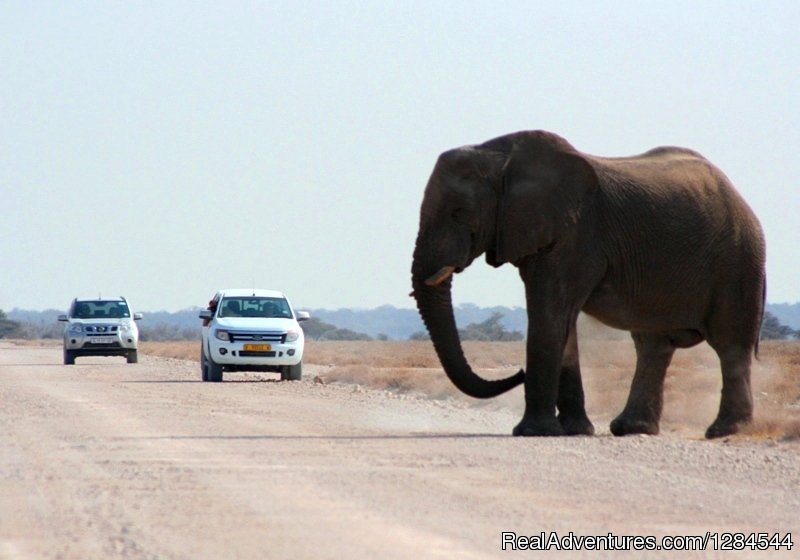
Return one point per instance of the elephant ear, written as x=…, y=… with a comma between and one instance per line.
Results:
x=546, y=187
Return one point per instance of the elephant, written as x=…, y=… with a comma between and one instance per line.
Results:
x=659, y=244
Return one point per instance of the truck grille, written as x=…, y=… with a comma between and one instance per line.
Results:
x=244, y=354
x=102, y=330
x=249, y=336
x=114, y=344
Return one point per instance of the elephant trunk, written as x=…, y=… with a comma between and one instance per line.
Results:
x=435, y=306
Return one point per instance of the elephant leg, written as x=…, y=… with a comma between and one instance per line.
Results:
x=642, y=412
x=733, y=333
x=541, y=384
x=571, y=405
x=736, y=402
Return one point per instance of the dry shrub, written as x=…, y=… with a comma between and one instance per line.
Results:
x=408, y=366
x=375, y=354
x=425, y=381
x=180, y=349
x=692, y=386
x=776, y=391
x=408, y=354
x=35, y=343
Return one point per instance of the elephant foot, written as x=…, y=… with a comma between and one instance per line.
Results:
x=722, y=427
x=623, y=425
x=576, y=425
x=538, y=426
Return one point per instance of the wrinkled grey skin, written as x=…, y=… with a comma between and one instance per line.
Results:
x=659, y=244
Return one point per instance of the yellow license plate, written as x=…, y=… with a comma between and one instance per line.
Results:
x=257, y=347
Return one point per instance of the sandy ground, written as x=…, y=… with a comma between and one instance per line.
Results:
x=109, y=460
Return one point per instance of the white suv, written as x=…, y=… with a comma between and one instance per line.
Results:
x=100, y=327
x=251, y=330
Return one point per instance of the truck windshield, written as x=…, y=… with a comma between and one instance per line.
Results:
x=100, y=310
x=261, y=307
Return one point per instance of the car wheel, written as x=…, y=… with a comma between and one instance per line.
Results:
x=133, y=357
x=213, y=371
x=294, y=373
x=69, y=358
x=203, y=364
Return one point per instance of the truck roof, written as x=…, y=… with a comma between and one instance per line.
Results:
x=250, y=292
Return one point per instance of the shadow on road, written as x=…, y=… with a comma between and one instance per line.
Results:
x=411, y=436
x=201, y=381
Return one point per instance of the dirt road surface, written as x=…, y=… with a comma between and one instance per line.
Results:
x=109, y=460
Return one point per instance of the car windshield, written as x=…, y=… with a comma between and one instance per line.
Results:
x=261, y=307
x=100, y=310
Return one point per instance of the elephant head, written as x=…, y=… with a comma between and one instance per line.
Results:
x=508, y=198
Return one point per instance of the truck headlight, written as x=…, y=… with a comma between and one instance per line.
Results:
x=222, y=335
x=292, y=336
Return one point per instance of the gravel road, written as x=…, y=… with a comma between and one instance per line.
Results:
x=109, y=460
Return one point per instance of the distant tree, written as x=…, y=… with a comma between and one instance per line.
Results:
x=771, y=329
x=37, y=330
x=344, y=334
x=490, y=330
x=7, y=326
x=317, y=329
x=166, y=331
x=787, y=313
x=157, y=326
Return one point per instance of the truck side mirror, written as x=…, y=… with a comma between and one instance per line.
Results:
x=303, y=316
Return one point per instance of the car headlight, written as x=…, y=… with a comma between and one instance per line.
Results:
x=76, y=328
x=125, y=327
x=222, y=335
x=291, y=336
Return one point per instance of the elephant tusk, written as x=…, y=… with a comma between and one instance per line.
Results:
x=443, y=274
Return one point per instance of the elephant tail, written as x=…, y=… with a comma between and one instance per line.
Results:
x=761, y=315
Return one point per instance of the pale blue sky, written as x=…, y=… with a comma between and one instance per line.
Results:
x=163, y=150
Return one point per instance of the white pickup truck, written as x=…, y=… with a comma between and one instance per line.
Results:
x=251, y=330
